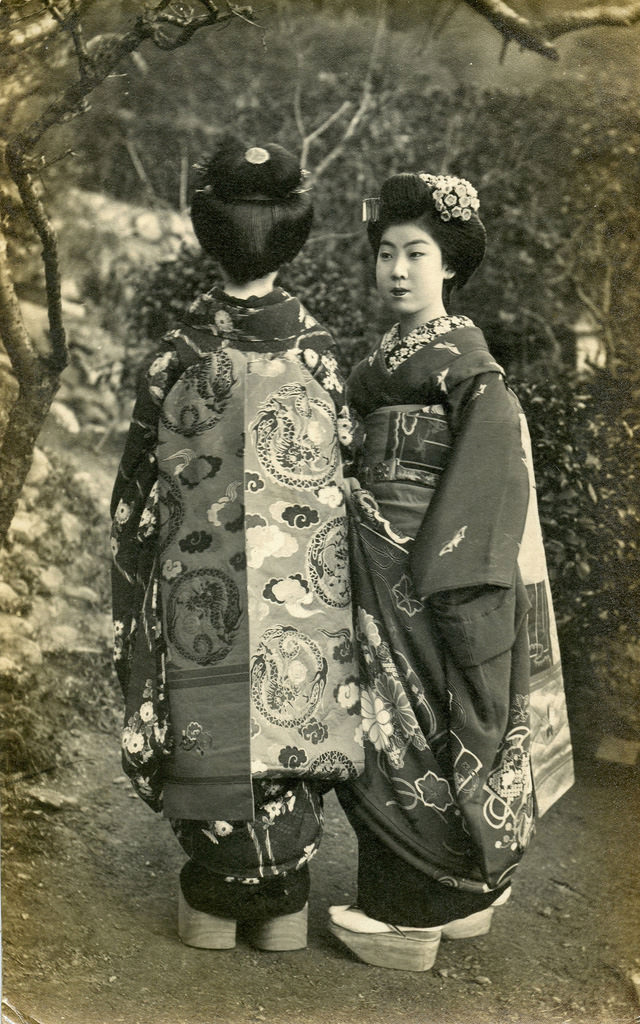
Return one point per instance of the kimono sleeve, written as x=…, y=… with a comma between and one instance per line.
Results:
x=133, y=513
x=322, y=363
x=154, y=380
x=472, y=529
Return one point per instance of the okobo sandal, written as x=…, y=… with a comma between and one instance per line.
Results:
x=279, y=934
x=205, y=931
x=384, y=945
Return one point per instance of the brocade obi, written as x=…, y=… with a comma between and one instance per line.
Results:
x=405, y=442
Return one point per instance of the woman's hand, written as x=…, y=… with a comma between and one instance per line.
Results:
x=349, y=485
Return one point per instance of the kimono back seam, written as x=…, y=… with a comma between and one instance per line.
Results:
x=252, y=598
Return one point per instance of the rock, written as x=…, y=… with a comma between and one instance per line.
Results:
x=26, y=527
x=21, y=587
x=51, y=798
x=19, y=649
x=65, y=417
x=82, y=594
x=12, y=626
x=9, y=600
x=40, y=468
x=8, y=667
x=61, y=638
x=51, y=580
x=71, y=527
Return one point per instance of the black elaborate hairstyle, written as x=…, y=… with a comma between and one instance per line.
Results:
x=249, y=209
x=432, y=200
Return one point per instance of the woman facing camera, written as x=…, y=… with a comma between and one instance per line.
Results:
x=463, y=712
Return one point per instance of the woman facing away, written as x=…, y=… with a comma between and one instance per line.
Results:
x=231, y=600
x=464, y=718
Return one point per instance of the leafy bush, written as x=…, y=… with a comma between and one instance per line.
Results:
x=587, y=461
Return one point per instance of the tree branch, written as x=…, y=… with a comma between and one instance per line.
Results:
x=20, y=349
x=366, y=100
x=106, y=54
x=38, y=375
x=592, y=17
x=514, y=27
x=21, y=170
x=536, y=35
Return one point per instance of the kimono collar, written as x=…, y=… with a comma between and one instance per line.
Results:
x=273, y=321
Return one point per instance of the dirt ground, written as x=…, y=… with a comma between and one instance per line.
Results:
x=89, y=920
x=89, y=894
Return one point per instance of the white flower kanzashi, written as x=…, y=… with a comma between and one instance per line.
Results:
x=454, y=198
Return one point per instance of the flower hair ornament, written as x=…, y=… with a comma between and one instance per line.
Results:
x=454, y=198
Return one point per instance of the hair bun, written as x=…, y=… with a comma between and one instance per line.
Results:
x=236, y=171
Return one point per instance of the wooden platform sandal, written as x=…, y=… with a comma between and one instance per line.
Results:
x=385, y=945
x=279, y=934
x=205, y=931
x=474, y=925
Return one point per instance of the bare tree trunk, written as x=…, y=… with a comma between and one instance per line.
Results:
x=38, y=374
x=25, y=423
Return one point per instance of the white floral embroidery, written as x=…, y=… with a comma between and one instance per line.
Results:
x=311, y=357
x=160, y=364
x=223, y=321
x=123, y=511
x=396, y=349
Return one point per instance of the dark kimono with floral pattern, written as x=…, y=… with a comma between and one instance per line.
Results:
x=231, y=591
x=463, y=711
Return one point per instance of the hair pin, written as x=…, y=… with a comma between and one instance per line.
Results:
x=257, y=155
x=371, y=209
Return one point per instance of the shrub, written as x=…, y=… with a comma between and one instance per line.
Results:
x=587, y=462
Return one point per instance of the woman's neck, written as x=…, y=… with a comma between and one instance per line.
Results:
x=410, y=321
x=260, y=287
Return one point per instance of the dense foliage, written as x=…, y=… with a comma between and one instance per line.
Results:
x=557, y=168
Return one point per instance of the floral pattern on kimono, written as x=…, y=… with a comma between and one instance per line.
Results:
x=448, y=567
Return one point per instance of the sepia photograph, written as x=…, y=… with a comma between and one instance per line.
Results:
x=320, y=512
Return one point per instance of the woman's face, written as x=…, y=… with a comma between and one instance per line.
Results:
x=410, y=273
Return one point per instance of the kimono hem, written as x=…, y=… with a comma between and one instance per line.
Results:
x=464, y=718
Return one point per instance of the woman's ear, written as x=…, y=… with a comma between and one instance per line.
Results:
x=448, y=274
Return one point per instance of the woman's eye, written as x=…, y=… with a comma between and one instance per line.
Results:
x=416, y=255
x=384, y=255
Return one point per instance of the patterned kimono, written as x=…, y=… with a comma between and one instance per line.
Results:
x=231, y=593
x=464, y=719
